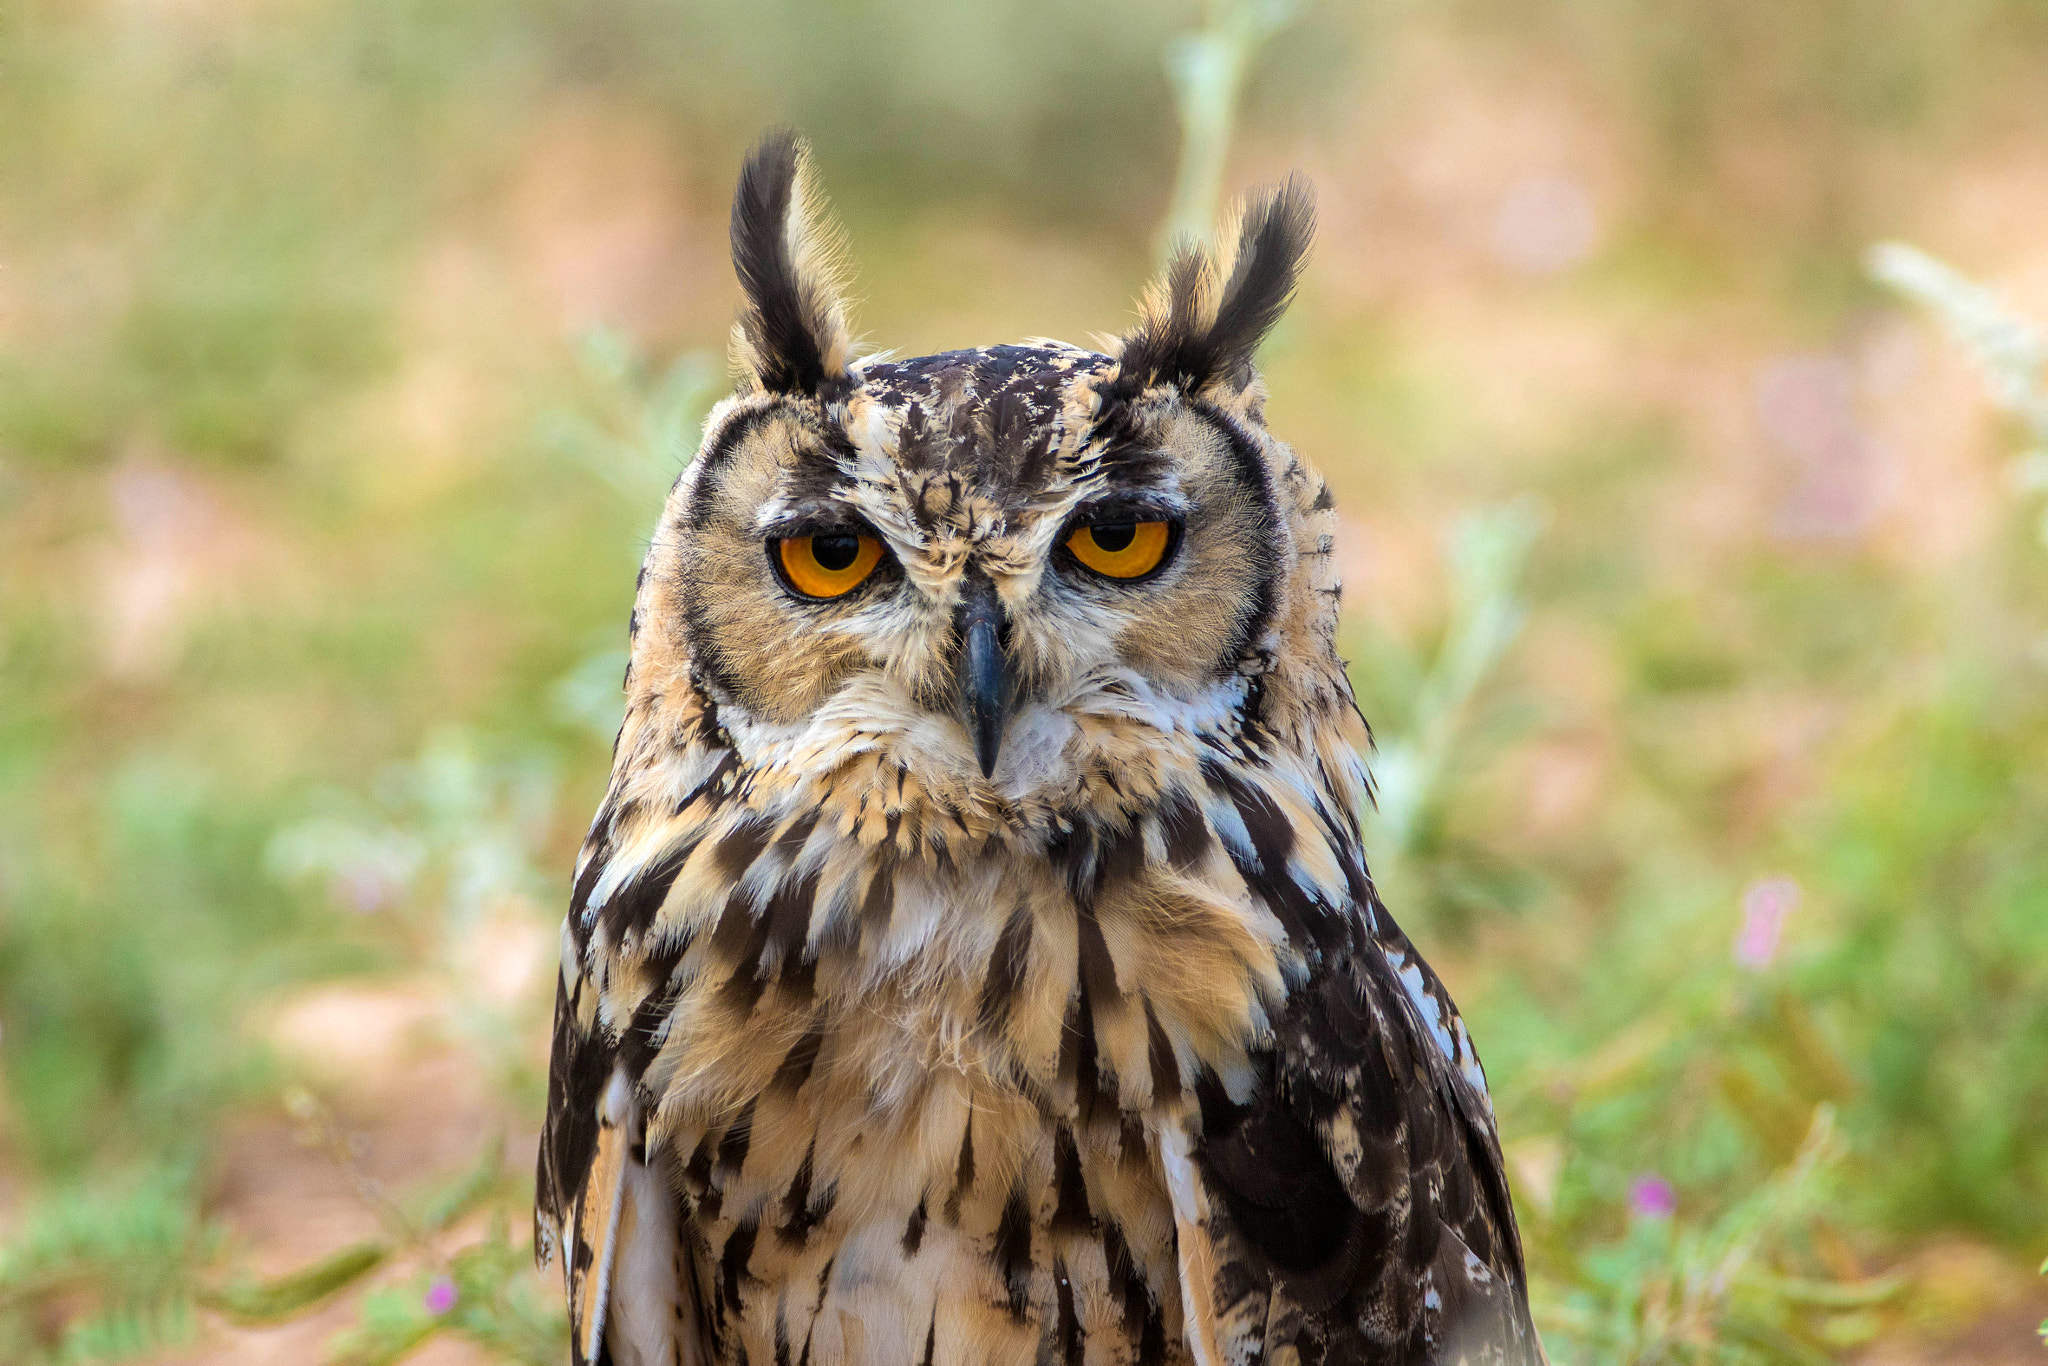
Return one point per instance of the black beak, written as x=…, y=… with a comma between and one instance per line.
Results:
x=984, y=672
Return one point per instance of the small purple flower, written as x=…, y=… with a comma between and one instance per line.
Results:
x=364, y=888
x=440, y=1297
x=1764, y=908
x=1651, y=1197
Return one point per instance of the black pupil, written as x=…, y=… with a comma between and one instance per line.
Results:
x=835, y=552
x=1114, y=536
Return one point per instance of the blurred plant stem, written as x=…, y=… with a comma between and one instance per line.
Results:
x=1208, y=70
x=2010, y=352
x=1488, y=549
x=2006, y=347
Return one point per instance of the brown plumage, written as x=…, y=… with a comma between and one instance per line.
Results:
x=974, y=959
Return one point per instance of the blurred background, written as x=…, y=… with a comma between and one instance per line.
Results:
x=1697, y=570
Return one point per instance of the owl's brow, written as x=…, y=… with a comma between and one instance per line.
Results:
x=813, y=517
x=1148, y=504
x=1127, y=458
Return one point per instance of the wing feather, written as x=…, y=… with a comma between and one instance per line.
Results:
x=605, y=1208
x=1193, y=1247
x=598, y=1206
x=1352, y=1208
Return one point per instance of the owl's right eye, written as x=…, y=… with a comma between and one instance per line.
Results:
x=827, y=566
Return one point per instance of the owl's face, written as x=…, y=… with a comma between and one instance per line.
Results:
x=1000, y=569
x=967, y=553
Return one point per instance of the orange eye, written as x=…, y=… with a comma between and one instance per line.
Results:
x=828, y=566
x=1122, y=550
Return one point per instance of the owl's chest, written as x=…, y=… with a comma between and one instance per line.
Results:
x=923, y=1138
x=970, y=1229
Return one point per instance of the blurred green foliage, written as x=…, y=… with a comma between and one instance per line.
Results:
x=346, y=347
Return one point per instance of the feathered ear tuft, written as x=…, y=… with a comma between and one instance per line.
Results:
x=792, y=335
x=1198, y=328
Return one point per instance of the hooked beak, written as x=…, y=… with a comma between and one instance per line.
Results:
x=984, y=673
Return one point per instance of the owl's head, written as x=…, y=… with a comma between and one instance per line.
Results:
x=1003, y=578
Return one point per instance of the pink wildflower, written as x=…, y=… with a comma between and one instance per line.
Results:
x=1651, y=1197
x=1764, y=908
x=440, y=1297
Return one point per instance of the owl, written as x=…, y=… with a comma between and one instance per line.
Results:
x=973, y=960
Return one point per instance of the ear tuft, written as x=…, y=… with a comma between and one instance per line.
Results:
x=792, y=335
x=1199, y=328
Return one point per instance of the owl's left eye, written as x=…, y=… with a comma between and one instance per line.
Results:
x=827, y=566
x=1126, y=549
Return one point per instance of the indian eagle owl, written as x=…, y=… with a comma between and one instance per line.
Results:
x=973, y=959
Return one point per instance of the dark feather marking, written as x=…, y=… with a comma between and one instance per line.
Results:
x=879, y=903
x=1166, y=350
x=931, y=1336
x=1185, y=831
x=817, y=456
x=799, y=979
x=817, y=1308
x=1078, y=1065
x=728, y=763
x=1006, y=970
x=800, y=1213
x=913, y=1232
x=711, y=674
x=586, y=881
x=1272, y=834
x=963, y=1172
x=732, y=1264
x=838, y=920
x=711, y=461
x=1093, y=859
x=1267, y=1162
x=1310, y=925
x=1070, y=1213
x=740, y=938
x=632, y=907
x=1165, y=1066
x=697, y=1171
x=1097, y=969
x=1248, y=467
x=1122, y=858
x=1012, y=1253
x=580, y=1067
x=787, y=917
x=732, y=1149
x=1143, y=1319
x=638, y=1045
x=1073, y=851
x=801, y=1058
x=1132, y=1149
x=791, y=841
x=1071, y=1340
x=740, y=846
